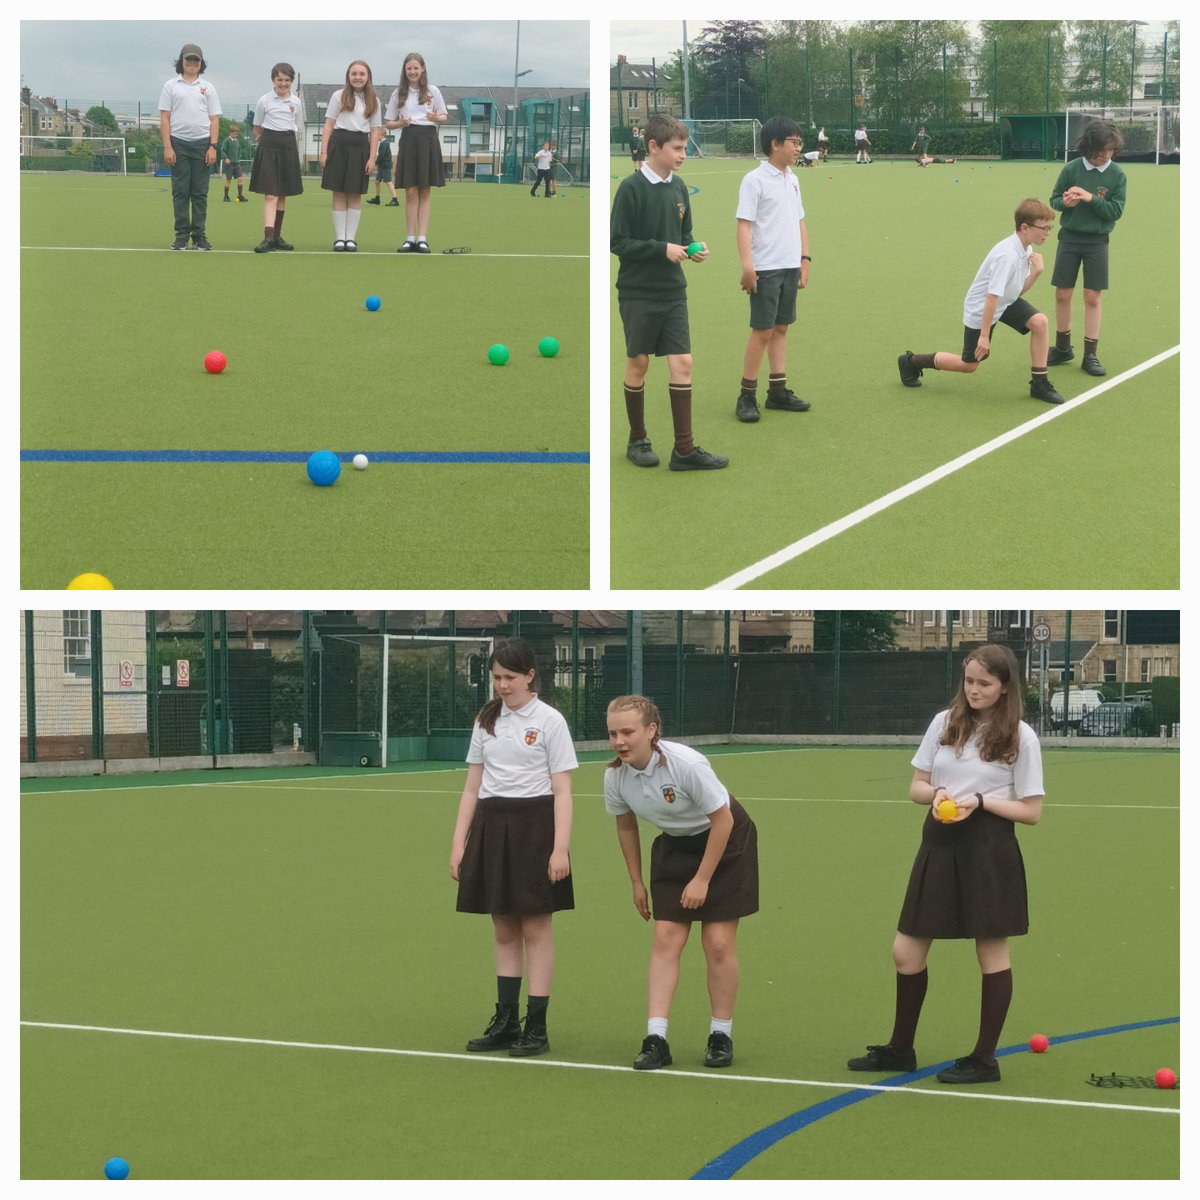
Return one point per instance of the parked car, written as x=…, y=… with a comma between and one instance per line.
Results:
x=1117, y=718
x=1083, y=701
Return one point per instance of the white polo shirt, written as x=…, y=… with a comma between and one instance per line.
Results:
x=676, y=796
x=967, y=774
x=1003, y=274
x=543, y=158
x=416, y=112
x=191, y=105
x=354, y=118
x=770, y=199
x=278, y=113
x=530, y=744
x=860, y=135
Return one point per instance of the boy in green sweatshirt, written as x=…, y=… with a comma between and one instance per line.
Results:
x=231, y=163
x=650, y=229
x=1090, y=194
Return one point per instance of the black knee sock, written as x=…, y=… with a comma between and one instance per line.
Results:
x=910, y=995
x=536, y=1013
x=508, y=990
x=994, y=998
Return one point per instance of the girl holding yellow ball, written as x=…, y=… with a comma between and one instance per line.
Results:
x=968, y=880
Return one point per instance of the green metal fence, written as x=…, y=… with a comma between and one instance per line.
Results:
x=212, y=688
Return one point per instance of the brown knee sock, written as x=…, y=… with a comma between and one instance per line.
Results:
x=635, y=409
x=776, y=384
x=994, y=999
x=910, y=995
x=681, y=416
x=1062, y=339
x=1090, y=344
x=924, y=361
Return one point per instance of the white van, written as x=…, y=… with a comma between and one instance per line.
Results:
x=1083, y=701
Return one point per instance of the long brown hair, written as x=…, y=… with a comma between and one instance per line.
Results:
x=1001, y=737
x=650, y=715
x=422, y=83
x=515, y=655
x=370, y=100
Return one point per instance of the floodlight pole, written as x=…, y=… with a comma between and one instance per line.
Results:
x=687, y=88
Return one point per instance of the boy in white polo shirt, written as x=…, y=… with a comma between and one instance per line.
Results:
x=188, y=109
x=996, y=294
x=772, y=242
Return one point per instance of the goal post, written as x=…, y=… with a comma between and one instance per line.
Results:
x=95, y=155
x=1150, y=134
x=386, y=697
x=733, y=138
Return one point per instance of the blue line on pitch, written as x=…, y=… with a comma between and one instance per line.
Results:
x=726, y=1165
x=299, y=456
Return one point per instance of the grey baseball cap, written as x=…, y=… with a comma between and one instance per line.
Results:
x=191, y=49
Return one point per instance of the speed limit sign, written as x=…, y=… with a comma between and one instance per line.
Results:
x=1041, y=632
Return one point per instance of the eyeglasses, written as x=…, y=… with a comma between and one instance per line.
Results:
x=797, y=140
x=1043, y=228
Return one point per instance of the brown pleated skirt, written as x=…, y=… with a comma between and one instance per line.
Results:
x=276, y=170
x=733, y=889
x=506, y=864
x=419, y=158
x=346, y=162
x=968, y=881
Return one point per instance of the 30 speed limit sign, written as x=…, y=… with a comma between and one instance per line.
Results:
x=1041, y=633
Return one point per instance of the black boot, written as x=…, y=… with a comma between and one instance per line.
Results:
x=503, y=1032
x=533, y=1040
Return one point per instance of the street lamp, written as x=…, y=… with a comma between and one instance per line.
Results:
x=740, y=83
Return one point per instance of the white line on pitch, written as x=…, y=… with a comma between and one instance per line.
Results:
x=812, y=540
x=579, y=1066
x=361, y=253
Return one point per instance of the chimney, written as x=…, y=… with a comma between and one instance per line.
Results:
x=622, y=59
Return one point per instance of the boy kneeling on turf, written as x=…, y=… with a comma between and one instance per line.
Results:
x=996, y=294
x=650, y=230
x=772, y=244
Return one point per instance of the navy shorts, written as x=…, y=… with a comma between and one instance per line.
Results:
x=657, y=327
x=1015, y=316
x=1073, y=253
x=775, y=301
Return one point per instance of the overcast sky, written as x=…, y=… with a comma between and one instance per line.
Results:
x=121, y=61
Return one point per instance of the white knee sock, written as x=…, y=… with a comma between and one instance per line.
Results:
x=352, y=216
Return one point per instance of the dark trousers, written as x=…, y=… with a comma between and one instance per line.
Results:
x=543, y=177
x=189, y=187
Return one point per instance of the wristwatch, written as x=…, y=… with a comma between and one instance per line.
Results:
x=805, y=258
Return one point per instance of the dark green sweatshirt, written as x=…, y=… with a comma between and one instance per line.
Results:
x=1094, y=219
x=645, y=218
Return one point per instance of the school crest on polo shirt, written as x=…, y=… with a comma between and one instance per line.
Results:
x=668, y=793
x=531, y=736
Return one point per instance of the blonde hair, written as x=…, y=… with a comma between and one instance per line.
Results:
x=650, y=715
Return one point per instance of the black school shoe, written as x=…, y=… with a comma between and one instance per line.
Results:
x=747, y=408
x=407, y=248
x=180, y=243
x=280, y=244
x=264, y=246
x=1056, y=356
x=910, y=373
x=641, y=453
x=1091, y=364
x=698, y=460
x=423, y=248
x=788, y=401
x=719, y=1052
x=655, y=1053
x=533, y=1040
x=884, y=1058
x=504, y=1031
x=1043, y=389
x=970, y=1070
x=392, y=204
x=202, y=243
x=373, y=200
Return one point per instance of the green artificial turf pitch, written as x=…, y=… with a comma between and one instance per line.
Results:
x=316, y=907
x=114, y=330
x=1089, y=499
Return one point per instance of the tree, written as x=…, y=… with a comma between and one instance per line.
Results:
x=860, y=630
x=805, y=75
x=725, y=52
x=1012, y=65
x=101, y=118
x=1105, y=57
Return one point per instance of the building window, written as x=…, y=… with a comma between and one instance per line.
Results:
x=1110, y=670
x=1112, y=624
x=1145, y=670
x=930, y=616
x=77, y=643
x=633, y=100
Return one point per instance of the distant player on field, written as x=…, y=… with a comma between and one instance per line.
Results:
x=231, y=163
x=862, y=144
x=996, y=294
x=1090, y=194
